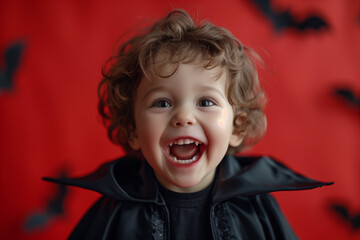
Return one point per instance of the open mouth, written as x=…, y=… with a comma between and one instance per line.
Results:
x=185, y=151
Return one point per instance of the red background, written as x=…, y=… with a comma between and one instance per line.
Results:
x=49, y=120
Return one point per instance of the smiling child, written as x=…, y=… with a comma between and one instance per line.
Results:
x=182, y=99
x=184, y=126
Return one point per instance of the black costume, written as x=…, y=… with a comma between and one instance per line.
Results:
x=132, y=206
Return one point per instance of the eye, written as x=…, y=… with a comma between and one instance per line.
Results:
x=206, y=102
x=161, y=103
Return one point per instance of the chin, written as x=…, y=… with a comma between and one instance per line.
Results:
x=188, y=186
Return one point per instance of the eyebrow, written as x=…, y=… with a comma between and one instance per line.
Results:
x=155, y=89
x=207, y=88
x=201, y=88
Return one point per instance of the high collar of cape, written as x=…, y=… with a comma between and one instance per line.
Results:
x=133, y=179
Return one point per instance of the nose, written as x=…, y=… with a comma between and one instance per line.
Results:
x=183, y=117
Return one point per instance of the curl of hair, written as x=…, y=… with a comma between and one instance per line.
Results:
x=174, y=40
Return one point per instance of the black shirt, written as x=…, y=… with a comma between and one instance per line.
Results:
x=189, y=214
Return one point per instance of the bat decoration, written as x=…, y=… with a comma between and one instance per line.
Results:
x=12, y=56
x=348, y=95
x=342, y=211
x=54, y=208
x=285, y=19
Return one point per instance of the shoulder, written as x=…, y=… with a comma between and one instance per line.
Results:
x=95, y=221
x=109, y=218
x=255, y=217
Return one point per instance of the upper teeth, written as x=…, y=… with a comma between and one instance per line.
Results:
x=184, y=141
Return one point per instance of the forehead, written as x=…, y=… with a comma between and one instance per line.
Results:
x=190, y=73
x=165, y=61
x=185, y=79
x=165, y=65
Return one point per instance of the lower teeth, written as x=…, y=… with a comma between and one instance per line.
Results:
x=184, y=161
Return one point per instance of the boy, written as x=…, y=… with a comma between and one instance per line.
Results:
x=180, y=98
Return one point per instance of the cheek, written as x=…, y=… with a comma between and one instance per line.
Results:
x=219, y=125
x=225, y=119
x=149, y=129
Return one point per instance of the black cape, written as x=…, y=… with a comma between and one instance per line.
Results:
x=242, y=208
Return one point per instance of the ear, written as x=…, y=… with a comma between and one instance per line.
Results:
x=134, y=141
x=235, y=139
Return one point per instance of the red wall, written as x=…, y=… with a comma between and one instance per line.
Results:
x=49, y=121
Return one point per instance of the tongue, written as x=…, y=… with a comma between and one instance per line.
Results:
x=184, y=152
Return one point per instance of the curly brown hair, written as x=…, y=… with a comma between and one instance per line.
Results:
x=173, y=40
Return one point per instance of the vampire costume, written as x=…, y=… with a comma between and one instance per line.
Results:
x=236, y=206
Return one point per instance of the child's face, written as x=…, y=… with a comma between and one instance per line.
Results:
x=184, y=125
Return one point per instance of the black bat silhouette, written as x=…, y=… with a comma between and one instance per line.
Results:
x=285, y=19
x=348, y=95
x=343, y=212
x=54, y=207
x=12, y=57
